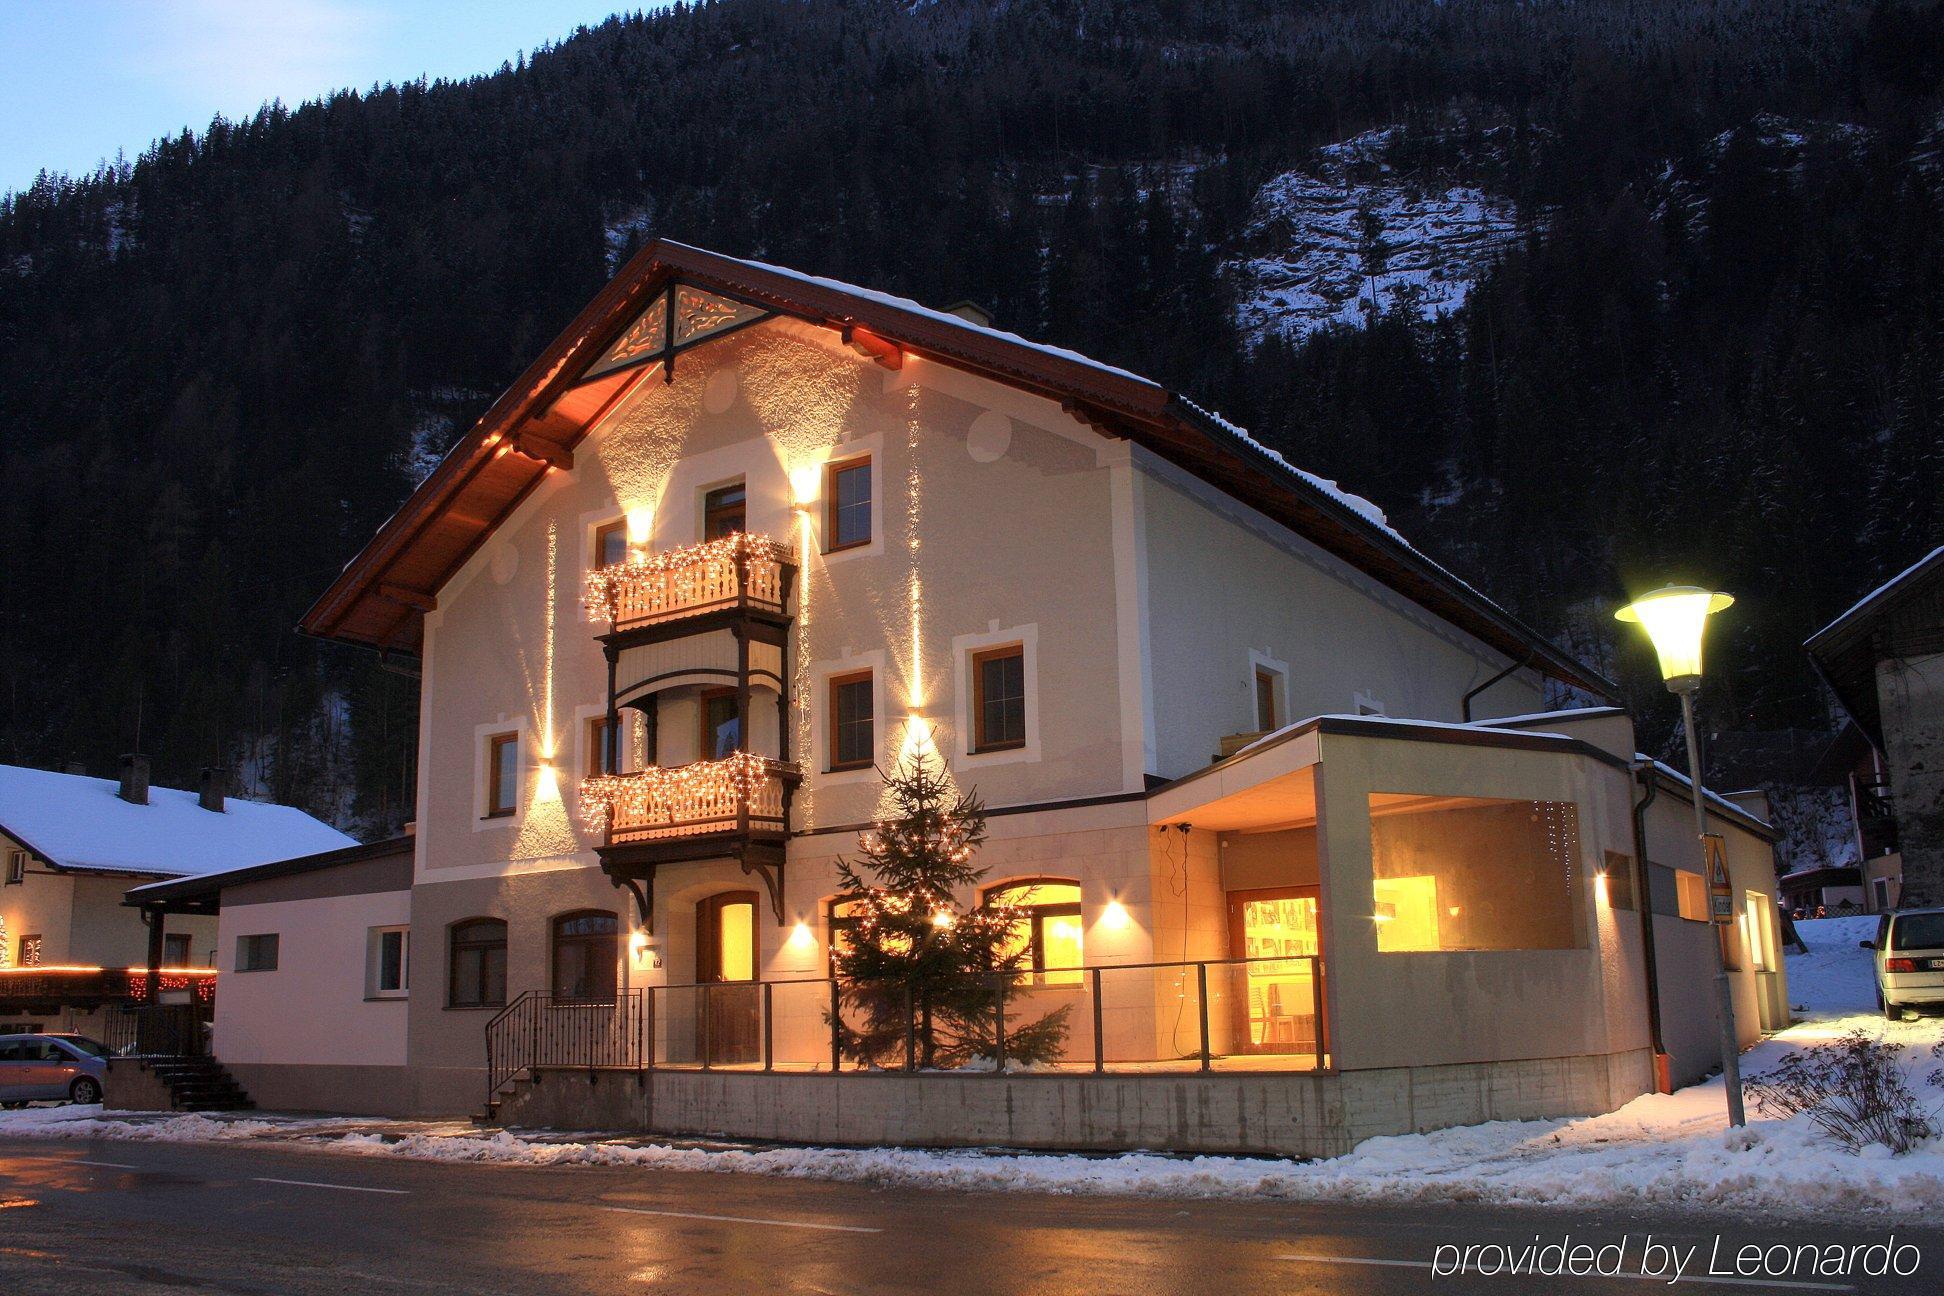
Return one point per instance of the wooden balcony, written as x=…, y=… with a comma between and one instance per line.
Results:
x=743, y=796
x=736, y=574
x=93, y=986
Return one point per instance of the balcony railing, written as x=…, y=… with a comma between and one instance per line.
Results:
x=1259, y=1014
x=749, y=572
x=84, y=985
x=740, y=793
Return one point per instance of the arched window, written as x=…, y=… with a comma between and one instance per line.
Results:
x=476, y=963
x=1048, y=927
x=586, y=956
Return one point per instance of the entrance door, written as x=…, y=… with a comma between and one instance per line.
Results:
x=1278, y=1012
x=725, y=962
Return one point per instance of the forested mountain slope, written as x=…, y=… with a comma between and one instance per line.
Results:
x=1583, y=294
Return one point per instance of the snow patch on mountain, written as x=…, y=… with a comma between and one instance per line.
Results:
x=1350, y=235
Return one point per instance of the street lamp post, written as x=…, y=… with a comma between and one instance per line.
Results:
x=1675, y=618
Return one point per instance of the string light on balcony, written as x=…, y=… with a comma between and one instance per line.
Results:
x=699, y=569
x=672, y=795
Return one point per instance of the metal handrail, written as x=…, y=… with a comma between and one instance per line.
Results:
x=1088, y=978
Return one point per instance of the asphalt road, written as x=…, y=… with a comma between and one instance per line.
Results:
x=135, y=1219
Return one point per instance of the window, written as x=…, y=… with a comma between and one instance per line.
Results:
x=386, y=951
x=1754, y=920
x=477, y=964
x=1917, y=931
x=502, y=774
x=16, y=867
x=1048, y=927
x=1265, y=700
x=611, y=543
x=999, y=698
x=721, y=724
x=853, y=721
x=724, y=511
x=597, y=748
x=175, y=949
x=256, y=953
x=1692, y=891
x=844, y=917
x=30, y=951
x=586, y=954
x=1619, y=881
x=1473, y=874
x=1881, y=886
x=847, y=504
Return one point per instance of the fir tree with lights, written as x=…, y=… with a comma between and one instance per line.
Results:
x=923, y=981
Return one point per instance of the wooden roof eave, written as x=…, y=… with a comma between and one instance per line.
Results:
x=1114, y=403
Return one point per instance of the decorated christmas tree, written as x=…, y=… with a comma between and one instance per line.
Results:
x=924, y=982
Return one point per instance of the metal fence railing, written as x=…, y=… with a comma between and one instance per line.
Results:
x=1263, y=1014
x=161, y=1030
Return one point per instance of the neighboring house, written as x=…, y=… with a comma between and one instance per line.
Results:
x=1884, y=660
x=71, y=845
x=741, y=537
x=315, y=960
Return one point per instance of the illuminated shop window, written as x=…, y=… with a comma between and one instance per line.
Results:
x=1467, y=873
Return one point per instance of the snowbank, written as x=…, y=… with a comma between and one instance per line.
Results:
x=1658, y=1149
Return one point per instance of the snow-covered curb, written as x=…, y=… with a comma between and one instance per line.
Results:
x=1658, y=1149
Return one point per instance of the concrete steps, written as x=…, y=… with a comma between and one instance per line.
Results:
x=200, y=1084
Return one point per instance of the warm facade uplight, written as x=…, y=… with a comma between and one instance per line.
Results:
x=805, y=479
x=1675, y=618
x=1115, y=916
x=801, y=936
x=641, y=524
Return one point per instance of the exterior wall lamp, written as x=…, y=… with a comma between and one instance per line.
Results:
x=1675, y=618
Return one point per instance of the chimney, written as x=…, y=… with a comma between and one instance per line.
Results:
x=971, y=312
x=214, y=782
x=134, y=778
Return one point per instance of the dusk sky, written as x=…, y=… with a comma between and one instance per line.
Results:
x=86, y=78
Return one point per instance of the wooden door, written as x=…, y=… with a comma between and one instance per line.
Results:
x=1275, y=1003
x=726, y=959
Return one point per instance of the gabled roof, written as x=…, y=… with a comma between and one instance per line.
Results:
x=80, y=824
x=1846, y=650
x=380, y=597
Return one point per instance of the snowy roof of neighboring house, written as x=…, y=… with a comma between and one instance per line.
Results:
x=381, y=596
x=82, y=824
x=1845, y=651
x=203, y=892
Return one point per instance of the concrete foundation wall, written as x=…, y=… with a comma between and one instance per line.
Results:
x=131, y=1086
x=345, y=1090
x=1307, y=1116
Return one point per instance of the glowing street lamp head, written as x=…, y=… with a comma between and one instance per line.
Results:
x=1675, y=619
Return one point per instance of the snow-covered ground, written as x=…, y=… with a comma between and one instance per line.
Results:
x=1656, y=1149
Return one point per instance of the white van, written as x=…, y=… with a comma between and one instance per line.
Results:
x=1909, y=949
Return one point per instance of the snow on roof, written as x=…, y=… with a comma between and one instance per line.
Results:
x=1880, y=591
x=1715, y=797
x=76, y=822
x=939, y=316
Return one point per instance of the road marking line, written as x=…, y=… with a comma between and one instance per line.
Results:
x=743, y=1219
x=1639, y=1277
x=312, y=1183
x=106, y=1165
